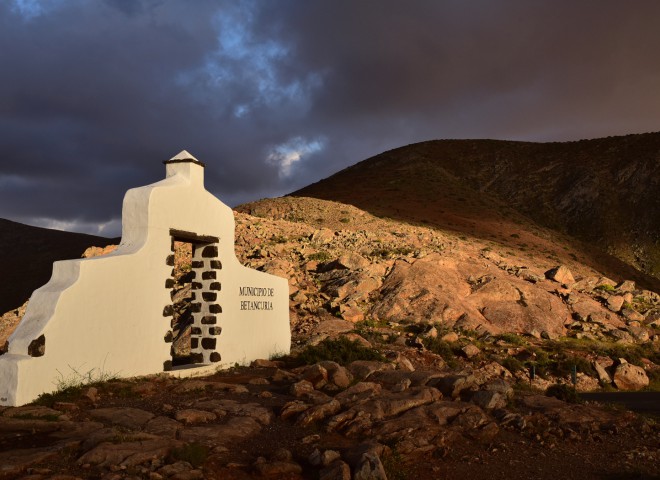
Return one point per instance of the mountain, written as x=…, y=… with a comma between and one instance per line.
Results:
x=603, y=192
x=27, y=254
x=421, y=338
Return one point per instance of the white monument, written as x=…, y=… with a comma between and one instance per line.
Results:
x=112, y=314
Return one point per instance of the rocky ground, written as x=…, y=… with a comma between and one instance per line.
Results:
x=371, y=419
x=417, y=353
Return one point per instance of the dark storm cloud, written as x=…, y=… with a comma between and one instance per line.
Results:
x=275, y=95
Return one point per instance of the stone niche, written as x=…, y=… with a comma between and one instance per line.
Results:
x=114, y=315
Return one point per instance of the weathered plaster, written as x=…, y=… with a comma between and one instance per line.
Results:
x=105, y=314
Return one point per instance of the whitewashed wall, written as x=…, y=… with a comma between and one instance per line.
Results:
x=105, y=315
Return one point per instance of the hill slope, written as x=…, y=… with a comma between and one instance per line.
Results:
x=602, y=191
x=27, y=254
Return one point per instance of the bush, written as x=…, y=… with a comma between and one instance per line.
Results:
x=563, y=392
x=512, y=364
x=605, y=287
x=511, y=338
x=341, y=350
x=542, y=363
x=321, y=256
x=392, y=252
x=442, y=348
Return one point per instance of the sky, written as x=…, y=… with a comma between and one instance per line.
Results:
x=274, y=94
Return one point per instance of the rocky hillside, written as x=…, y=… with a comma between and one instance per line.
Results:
x=602, y=191
x=418, y=352
x=357, y=267
x=27, y=255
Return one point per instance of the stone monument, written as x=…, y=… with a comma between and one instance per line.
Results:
x=112, y=315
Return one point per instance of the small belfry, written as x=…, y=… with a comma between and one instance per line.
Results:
x=117, y=315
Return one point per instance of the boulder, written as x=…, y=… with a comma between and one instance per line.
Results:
x=370, y=468
x=319, y=412
x=470, y=351
x=603, y=376
x=620, y=336
x=453, y=385
x=421, y=291
x=191, y=416
x=350, y=261
x=337, y=375
x=639, y=333
x=615, y=302
x=513, y=305
x=488, y=400
x=316, y=375
x=450, y=337
x=631, y=315
x=627, y=286
x=363, y=368
x=351, y=313
x=359, y=392
x=560, y=274
x=630, y=377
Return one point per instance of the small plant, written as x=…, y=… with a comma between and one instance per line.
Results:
x=443, y=349
x=511, y=338
x=70, y=387
x=278, y=239
x=541, y=363
x=605, y=287
x=321, y=256
x=342, y=350
x=654, y=381
x=563, y=392
x=512, y=364
x=80, y=379
x=386, y=253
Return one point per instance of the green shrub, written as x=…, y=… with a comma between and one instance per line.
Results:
x=605, y=287
x=70, y=387
x=278, y=239
x=563, y=392
x=654, y=380
x=386, y=253
x=512, y=364
x=342, y=350
x=511, y=338
x=321, y=256
x=441, y=348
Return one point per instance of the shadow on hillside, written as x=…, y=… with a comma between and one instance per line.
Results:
x=27, y=254
x=488, y=220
